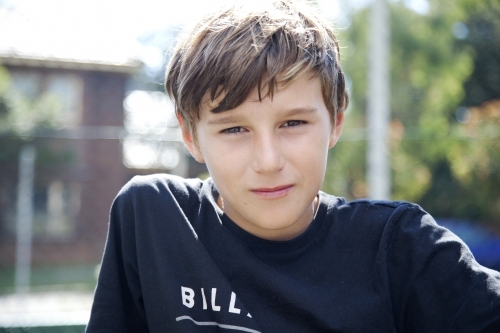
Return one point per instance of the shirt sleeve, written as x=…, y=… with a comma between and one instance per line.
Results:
x=436, y=284
x=118, y=305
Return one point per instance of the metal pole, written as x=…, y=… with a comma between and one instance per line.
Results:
x=24, y=218
x=378, y=102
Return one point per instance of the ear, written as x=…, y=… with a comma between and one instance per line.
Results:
x=190, y=141
x=336, y=130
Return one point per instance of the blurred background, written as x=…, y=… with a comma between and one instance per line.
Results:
x=82, y=111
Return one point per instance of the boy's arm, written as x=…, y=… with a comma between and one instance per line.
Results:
x=436, y=284
x=117, y=303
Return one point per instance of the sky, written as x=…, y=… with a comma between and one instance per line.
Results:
x=108, y=29
x=97, y=29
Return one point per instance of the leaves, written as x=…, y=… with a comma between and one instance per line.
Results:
x=437, y=152
x=20, y=115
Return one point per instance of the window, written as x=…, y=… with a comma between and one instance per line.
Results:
x=56, y=206
x=66, y=88
x=56, y=210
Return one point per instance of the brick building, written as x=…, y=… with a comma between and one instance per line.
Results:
x=79, y=167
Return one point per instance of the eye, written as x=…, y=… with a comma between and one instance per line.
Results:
x=292, y=123
x=233, y=130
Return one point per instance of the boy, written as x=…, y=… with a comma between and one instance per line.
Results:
x=260, y=96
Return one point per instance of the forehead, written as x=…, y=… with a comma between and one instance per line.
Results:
x=305, y=92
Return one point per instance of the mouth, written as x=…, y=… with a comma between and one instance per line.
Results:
x=273, y=192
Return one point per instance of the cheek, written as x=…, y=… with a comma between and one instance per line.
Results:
x=314, y=160
x=220, y=162
x=224, y=154
x=313, y=156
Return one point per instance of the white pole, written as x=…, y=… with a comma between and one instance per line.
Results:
x=378, y=102
x=24, y=218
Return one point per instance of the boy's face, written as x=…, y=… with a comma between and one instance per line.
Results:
x=268, y=159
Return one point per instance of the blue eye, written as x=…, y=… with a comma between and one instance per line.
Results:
x=292, y=123
x=233, y=130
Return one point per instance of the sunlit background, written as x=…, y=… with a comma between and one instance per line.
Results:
x=82, y=110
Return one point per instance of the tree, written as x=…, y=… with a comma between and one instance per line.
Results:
x=426, y=83
x=21, y=117
x=433, y=72
x=472, y=169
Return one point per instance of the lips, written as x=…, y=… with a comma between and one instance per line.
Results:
x=273, y=192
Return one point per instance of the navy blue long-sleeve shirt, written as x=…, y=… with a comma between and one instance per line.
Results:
x=174, y=262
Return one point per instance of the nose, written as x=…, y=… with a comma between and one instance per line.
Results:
x=268, y=156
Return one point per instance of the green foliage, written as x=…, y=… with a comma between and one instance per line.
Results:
x=426, y=83
x=483, y=36
x=20, y=115
x=469, y=175
x=450, y=167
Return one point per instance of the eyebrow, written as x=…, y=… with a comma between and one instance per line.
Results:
x=223, y=120
x=232, y=118
x=298, y=111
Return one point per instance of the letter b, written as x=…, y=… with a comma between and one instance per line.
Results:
x=187, y=296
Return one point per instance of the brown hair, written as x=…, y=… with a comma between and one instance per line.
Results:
x=229, y=53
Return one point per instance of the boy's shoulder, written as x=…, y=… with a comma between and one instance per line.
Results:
x=376, y=204
x=161, y=187
x=370, y=217
x=375, y=209
x=160, y=194
x=159, y=182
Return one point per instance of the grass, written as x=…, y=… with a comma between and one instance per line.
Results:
x=81, y=277
x=51, y=329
